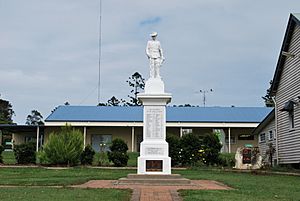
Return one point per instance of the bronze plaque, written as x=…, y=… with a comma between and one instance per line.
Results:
x=154, y=165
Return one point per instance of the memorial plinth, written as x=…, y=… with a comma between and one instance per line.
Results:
x=154, y=150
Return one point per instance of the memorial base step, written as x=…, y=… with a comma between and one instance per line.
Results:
x=145, y=179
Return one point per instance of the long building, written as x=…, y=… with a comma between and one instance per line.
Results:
x=100, y=124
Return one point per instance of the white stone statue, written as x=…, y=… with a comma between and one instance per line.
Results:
x=155, y=55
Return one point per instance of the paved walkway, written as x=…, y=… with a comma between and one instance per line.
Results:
x=155, y=192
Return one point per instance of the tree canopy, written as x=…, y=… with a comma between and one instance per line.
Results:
x=268, y=98
x=35, y=118
x=6, y=112
x=137, y=83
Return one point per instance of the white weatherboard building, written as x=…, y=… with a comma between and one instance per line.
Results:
x=282, y=126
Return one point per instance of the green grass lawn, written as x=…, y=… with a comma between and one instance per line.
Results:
x=63, y=194
x=246, y=186
x=8, y=157
x=42, y=176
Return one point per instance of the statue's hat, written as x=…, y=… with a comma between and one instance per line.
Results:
x=153, y=34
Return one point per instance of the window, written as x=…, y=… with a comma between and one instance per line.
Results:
x=101, y=143
x=262, y=137
x=187, y=131
x=271, y=136
x=30, y=139
x=232, y=140
x=274, y=135
x=291, y=120
x=246, y=137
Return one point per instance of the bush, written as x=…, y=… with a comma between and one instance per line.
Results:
x=227, y=159
x=118, y=145
x=63, y=148
x=211, y=146
x=174, y=149
x=118, y=153
x=25, y=153
x=1, y=150
x=87, y=156
x=191, y=146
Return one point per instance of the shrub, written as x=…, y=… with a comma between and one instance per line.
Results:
x=42, y=158
x=25, y=153
x=1, y=150
x=174, y=149
x=227, y=159
x=87, y=156
x=191, y=145
x=118, y=153
x=101, y=159
x=211, y=146
x=63, y=148
x=118, y=145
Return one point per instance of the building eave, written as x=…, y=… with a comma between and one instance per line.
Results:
x=168, y=124
x=292, y=22
x=266, y=121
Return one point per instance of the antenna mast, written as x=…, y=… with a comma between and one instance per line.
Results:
x=100, y=43
x=204, y=92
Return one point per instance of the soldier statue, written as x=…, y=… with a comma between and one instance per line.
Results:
x=155, y=55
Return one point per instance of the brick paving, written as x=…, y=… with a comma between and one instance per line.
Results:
x=155, y=192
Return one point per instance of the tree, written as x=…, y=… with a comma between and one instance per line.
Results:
x=212, y=146
x=63, y=147
x=35, y=118
x=137, y=82
x=102, y=104
x=113, y=101
x=268, y=98
x=118, y=153
x=6, y=112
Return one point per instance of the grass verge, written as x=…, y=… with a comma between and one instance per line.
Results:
x=50, y=177
x=65, y=194
x=246, y=186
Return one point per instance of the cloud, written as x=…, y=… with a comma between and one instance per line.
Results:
x=151, y=21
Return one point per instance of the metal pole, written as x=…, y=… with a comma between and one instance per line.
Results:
x=132, y=138
x=229, y=139
x=276, y=131
x=37, y=138
x=84, y=136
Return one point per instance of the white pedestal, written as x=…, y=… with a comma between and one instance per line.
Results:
x=154, y=149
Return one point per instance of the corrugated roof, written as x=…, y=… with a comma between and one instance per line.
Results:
x=174, y=114
x=264, y=122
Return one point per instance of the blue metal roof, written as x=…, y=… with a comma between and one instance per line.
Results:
x=174, y=114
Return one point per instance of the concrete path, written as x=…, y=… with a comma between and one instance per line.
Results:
x=155, y=192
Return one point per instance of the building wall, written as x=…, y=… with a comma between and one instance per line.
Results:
x=264, y=146
x=289, y=89
x=20, y=138
x=236, y=132
x=116, y=132
x=125, y=134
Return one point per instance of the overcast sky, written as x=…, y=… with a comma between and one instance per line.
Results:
x=49, y=49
